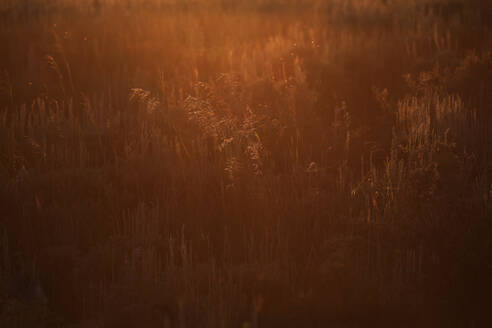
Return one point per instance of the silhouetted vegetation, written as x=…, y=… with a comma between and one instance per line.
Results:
x=233, y=163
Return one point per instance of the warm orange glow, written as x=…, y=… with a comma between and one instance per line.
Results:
x=245, y=163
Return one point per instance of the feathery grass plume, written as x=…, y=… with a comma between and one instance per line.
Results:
x=53, y=66
x=143, y=97
x=201, y=113
x=60, y=50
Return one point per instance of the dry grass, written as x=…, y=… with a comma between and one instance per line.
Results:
x=235, y=163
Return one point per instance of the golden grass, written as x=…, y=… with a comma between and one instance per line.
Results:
x=245, y=163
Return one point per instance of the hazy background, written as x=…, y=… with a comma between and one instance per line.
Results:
x=231, y=163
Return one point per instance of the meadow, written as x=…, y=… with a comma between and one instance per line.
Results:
x=249, y=164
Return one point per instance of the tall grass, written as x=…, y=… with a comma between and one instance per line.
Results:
x=245, y=163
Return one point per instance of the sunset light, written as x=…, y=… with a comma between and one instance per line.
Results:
x=245, y=163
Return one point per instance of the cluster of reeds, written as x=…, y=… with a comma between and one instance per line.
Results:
x=245, y=163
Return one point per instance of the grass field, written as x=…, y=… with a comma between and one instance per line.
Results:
x=248, y=164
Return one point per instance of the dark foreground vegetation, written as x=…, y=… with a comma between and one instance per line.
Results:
x=232, y=163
